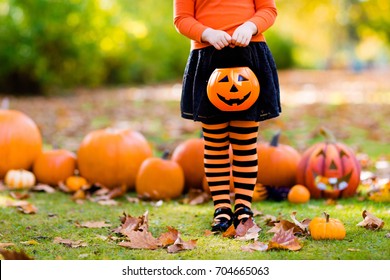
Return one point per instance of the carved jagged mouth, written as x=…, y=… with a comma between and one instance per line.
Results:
x=234, y=101
x=331, y=183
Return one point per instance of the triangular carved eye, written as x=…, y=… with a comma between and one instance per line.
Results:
x=342, y=153
x=242, y=78
x=321, y=153
x=224, y=80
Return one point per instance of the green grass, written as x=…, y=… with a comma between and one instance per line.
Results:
x=58, y=214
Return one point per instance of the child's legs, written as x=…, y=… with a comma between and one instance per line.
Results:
x=243, y=139
x=217, y=162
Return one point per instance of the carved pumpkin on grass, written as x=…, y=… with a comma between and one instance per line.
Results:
x=54, y=166
x=20, y=141
x=233, y=89
x=329, y=169
x=112, y=157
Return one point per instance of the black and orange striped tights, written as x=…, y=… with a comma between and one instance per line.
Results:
x=242, y=137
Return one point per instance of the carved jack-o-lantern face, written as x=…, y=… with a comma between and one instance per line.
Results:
x=233, y=89
x=329, y=170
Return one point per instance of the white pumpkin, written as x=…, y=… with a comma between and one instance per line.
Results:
x=19, y=179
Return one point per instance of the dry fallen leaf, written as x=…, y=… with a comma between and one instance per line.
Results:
x=255, y=246
x=70, y=243
x=43, y=188
x=196, y=196
x=370, y=221
x=387, y=235
x=8, y=244
x=285, y=240
x=30, y=242
x=181, y=245
x=247, y=231
x=140, y=240
x=303, y=225
x=19, y=195
x=98, y=224
x=168, y=238
x=13, y=255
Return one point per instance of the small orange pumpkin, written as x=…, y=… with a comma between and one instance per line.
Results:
x=20, y=141
x=233, y=89
x=298, y=194
x=54, y=166
x=159, y=178
x=326, y=228
x=74, y=183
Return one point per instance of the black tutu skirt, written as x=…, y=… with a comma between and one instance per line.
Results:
x=201, y=63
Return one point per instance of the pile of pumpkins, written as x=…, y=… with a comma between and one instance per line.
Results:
x=112, y=158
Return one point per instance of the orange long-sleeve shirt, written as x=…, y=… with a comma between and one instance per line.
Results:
x=192, y=17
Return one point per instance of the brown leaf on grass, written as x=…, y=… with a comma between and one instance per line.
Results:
x=28, y=209
x=79, y=195
x=299, y=228
x=303, y=225
x=20, y=195
x=14, y=255
x=370, y=221
x=140, y=240
x=230, y=232
x=130, y=223
x=196, y=197
x=387, y=235
x=169, y=237
x=255, y=246
x=181, y=245
x=247, y=231
x=133, y=199
x=43, y=188
x=97, y=224
x=285, y=240
x=7, y=244
x=70, y=243
x=269, y=220
x=208, y=232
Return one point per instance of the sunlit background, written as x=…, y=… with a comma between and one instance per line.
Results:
x=47, y=45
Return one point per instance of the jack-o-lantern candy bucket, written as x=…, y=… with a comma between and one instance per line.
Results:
x=233, y=89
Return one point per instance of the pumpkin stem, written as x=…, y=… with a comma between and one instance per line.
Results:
x=329, y=136
x=275, y=139
x=327, y=216
x=166, y=154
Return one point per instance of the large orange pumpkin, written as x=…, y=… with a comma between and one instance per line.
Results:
x=278, y=163
x=20, y=141
x=189, y=155
x=159, y=178
x=112, y=157
x=329, y=169
x=54, y=166
x=233, y=89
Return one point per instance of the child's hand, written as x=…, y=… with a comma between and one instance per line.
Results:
x=243, y=34
x=218, y=38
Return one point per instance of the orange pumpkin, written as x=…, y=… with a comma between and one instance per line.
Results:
x=20, y=141
x=233, y=89
x=298, y=194
x=74, y=183
x=326, y=228
x=112, y=157
x=159, y=178
x=189, y=155
x=54, y=166
x=329, y=169
x=278, y=163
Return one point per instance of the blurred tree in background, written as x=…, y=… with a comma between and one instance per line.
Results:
x=57, y=44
